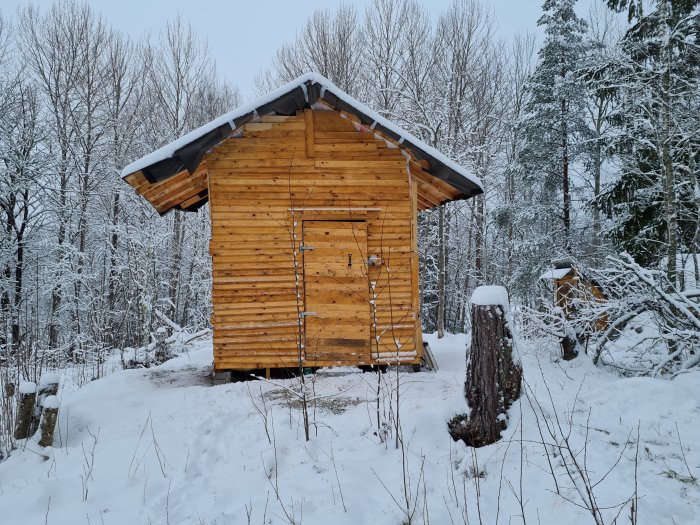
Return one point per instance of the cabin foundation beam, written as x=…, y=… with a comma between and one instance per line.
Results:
x=222, y=377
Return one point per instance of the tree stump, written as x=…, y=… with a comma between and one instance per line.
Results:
x=25, y=409
x=9, y=390
x=161, y=353
x=493, y=376
x=569, y=347
x=48, y=386
x=48, y=421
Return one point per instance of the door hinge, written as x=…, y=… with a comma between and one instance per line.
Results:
x=307, y=314
x=303, y=248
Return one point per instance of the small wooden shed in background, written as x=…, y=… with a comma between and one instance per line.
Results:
x=313, y=200
x=570, y=285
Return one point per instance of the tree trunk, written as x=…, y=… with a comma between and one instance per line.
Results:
x=441, y=273
x=510, y=184
x=493, y=378
x=113, y=272
x=48, y=421
x=177, y=257
x=479, y=240
x=5, y=306
x=597, y=165
x=25, y=410
x=467, y=275
x=667, y=162
x=19, y=289
x=566, y=212
x=569, y=347
x=57, y=290
x=48, y=386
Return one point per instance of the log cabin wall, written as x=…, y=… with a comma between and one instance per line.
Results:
x=313, y=180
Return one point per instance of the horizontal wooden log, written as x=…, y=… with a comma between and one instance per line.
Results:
x=295, y=124
x=255, y=201
x=225, y=363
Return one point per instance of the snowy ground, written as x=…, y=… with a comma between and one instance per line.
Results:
x=163, y=446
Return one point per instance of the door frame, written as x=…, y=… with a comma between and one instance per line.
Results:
x=304, y=281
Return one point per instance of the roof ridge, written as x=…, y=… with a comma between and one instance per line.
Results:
x=187, y=151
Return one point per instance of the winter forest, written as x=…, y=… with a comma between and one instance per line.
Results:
x=586, y=140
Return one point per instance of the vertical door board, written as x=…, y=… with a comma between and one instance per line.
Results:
x=337, y=324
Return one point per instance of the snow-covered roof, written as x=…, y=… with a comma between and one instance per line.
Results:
x=557, y=273
x=230, y=118
x=187, y=151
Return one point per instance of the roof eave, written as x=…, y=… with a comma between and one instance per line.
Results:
x=309, y=90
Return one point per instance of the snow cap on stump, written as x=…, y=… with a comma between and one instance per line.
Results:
x=27, y=387
x=497, y=296
x=491, y=295
x=51, y=402
x=48, y=378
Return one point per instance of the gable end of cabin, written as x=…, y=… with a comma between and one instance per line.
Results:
x=313, y=201
x=312, y=216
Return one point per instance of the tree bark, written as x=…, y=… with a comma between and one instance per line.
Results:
x=441, y=273
x=667, y=161
x=565, y=178
x=25, y=410
x=493, y=378
x=597, y=165
x=113, y=274
x=47, y=388
x=48, y=422
x=479, y=251
x=569, y=348
x=467, y=275
x=177, y=258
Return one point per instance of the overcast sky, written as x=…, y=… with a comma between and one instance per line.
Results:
x=244, y=34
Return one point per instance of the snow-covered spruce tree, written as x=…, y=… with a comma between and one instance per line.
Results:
x=551, y=128
x=603, y=41
x=508, y=232
x=653, y=202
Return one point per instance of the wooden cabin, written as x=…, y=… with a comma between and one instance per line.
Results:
x=570, y=286
x=313, y=200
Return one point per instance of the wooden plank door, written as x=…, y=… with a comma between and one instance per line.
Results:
x=336, y=297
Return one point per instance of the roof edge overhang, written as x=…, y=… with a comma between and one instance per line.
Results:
x=187, y=152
